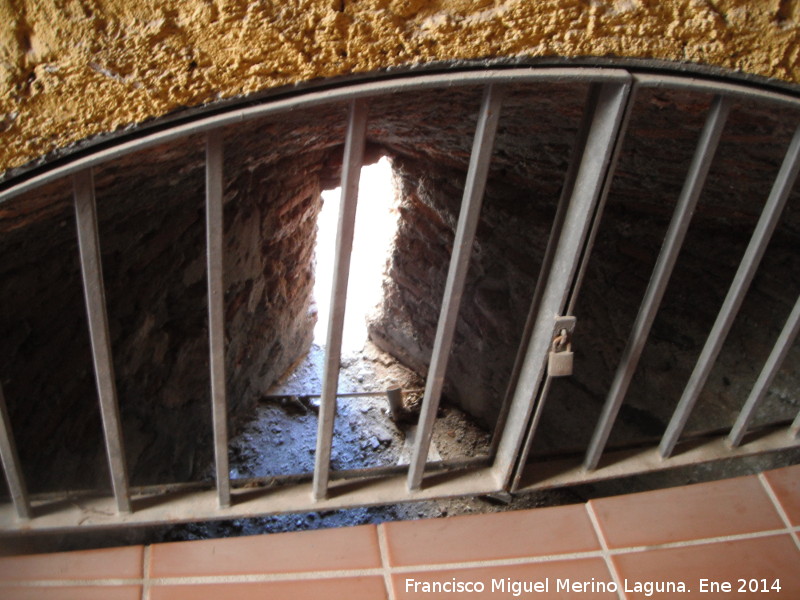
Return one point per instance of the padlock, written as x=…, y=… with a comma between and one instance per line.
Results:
x=559, y=362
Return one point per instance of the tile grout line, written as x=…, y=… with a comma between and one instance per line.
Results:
x=387, y=569
x=194, y=580
x=265, y=577
x=344, y=573
x=146, y=573
x=779, y=508
x=736, y=537
x=605, y=552
x=46, y=583
x=307, y=575
x=301, y=575
x=497, y=562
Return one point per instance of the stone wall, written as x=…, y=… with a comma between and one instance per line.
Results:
x=152, y=235
x=537, y=128
x=535, y=136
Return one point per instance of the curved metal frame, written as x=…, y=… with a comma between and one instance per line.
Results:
x=580, y=212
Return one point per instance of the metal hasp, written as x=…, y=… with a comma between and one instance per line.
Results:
x=695, y=180
x=547, y=259
x=477, y=173
x=741, y=282
x=593, y=175
x=773, y=364
x=216, y=311
x=11, y=466
x=560, y=358
x=395, y=398
x=91, y=268
x=574, y=290
x=567, y=188
x=351, y=173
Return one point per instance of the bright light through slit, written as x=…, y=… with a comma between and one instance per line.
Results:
x=376, y=223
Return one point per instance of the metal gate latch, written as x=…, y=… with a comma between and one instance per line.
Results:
x=560, y=359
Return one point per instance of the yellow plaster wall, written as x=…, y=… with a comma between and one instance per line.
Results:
x=73, y=68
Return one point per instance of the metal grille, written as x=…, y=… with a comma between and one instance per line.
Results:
x=573, y=234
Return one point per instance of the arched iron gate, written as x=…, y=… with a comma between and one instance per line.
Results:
x=573, y=233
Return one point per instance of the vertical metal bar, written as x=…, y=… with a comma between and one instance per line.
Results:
x=216, y=311
x=599, y=208
x=673, y=240
x=91, y=267
x=394, y=396
x=531, y=434
x=771, y=368
x=11, y=466
x=547, y=260
x=351, y=173
x=730, y=307
x=469, y=215
x=592, y=175
x=578, y=280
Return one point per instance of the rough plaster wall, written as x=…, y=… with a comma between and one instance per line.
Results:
x=70, y=69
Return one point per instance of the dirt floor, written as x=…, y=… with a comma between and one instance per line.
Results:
x=281, y=438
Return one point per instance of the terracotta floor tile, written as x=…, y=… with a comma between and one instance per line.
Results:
x=786, y=485
x=320, y=550
x=357, y=588
x=545, y=573
x=536, y=532
x=704, y=510
x=110, y=563
x=770, y=558
x=127, y=592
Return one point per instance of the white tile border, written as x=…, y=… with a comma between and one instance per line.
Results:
x=387, y=570
x=146, y=573
x=606, y=554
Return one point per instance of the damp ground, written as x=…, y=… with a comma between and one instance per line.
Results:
x=281, y=438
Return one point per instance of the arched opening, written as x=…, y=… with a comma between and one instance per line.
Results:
x=277, y=164
x=376, y=227
x=280, y=439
